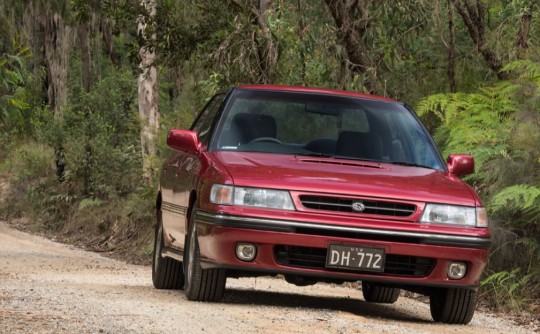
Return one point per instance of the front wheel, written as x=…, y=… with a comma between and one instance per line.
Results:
x=453, y=306
x=167, y=273
x=206, y=285
x=375, y=293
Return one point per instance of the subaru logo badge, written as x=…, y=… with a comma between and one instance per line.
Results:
x=358, y=206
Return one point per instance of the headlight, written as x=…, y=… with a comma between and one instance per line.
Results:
x=454, y=215
x=257, y=197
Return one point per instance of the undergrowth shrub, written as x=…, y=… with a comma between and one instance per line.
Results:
x=512, y=277
x=34, y=191
x=500, y=127
x=30, y=161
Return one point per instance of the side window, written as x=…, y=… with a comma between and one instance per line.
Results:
x=203, y=124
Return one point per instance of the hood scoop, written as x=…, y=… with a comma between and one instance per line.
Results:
x=363, y=164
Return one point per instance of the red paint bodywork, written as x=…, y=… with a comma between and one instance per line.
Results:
x=315, y=91
x=190, y=171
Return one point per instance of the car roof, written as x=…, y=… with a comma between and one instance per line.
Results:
x=301, y=89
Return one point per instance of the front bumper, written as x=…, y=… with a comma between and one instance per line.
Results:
x=299, y=248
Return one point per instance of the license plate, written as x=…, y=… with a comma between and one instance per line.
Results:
x=355, y=257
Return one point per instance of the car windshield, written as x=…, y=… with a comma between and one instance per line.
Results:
x=324, y=125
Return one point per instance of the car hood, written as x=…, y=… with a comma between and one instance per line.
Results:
x=351, y=177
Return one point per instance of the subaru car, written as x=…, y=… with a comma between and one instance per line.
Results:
x=317, y=185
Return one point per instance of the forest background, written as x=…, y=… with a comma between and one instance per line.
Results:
x=89, y=89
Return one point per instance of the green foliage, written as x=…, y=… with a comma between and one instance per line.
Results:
x=520, y=197
x=89, y=203
x=212, y=85
x=500, y=127
x=13, y=77
x=34, y=192
x=98, y=136
x=140, y=205
x=511, y=282
x=29, y=161
x=509, y=290
x=186, y=26
x=476, y=123
x=526, y=68
x=179, y=112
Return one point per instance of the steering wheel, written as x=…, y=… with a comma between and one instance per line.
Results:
x=266, y=139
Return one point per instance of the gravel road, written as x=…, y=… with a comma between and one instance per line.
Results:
x=47, y=287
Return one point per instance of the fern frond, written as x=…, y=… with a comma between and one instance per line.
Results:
x=434, y=103
x=526, y=68
x=520, y=197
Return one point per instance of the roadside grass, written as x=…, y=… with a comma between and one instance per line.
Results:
x=35, y=200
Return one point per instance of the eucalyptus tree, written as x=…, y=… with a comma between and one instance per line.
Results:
x=50, y=36
x=378, y=35
x=265, y=44
x=148, y=95
x=500, y=30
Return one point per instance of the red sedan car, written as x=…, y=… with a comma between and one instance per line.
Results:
x=318, y=185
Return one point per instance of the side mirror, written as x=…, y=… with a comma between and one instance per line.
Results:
x=184, y=140
x=460, y=164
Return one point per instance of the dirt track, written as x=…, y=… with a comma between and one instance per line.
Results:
x=46, y=287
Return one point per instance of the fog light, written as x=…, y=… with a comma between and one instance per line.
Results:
x=457, y=270
x=246, y=251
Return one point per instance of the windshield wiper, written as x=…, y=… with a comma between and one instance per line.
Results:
x=315, y=154
x=334, y=156
x=411, y=164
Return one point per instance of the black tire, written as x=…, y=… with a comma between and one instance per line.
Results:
x=204, y=285
x=167, y=273
x=375, y=293
x=453, y=306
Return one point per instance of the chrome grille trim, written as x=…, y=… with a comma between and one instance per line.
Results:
x=371, y=207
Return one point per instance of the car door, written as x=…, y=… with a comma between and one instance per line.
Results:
x=180, y=174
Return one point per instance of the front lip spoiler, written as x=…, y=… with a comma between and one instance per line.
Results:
x=289, y=226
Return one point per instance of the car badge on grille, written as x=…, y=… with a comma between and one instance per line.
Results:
x=358, y=206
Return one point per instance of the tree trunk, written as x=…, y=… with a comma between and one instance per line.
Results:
x=148, y=93
x=523, y=34
x=473, y=18
x=265, y=5
x=84, y=43
x=56, y=45
x=108, y=40
x=50, y=37
x=451, y=72
x=174, y=76
x=301, y=33
x=352, y=19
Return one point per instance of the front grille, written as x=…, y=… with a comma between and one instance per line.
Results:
x=315, y=258
x=372, y=207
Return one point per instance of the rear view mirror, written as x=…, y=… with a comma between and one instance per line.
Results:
x=322, y=108
x=460, y=164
